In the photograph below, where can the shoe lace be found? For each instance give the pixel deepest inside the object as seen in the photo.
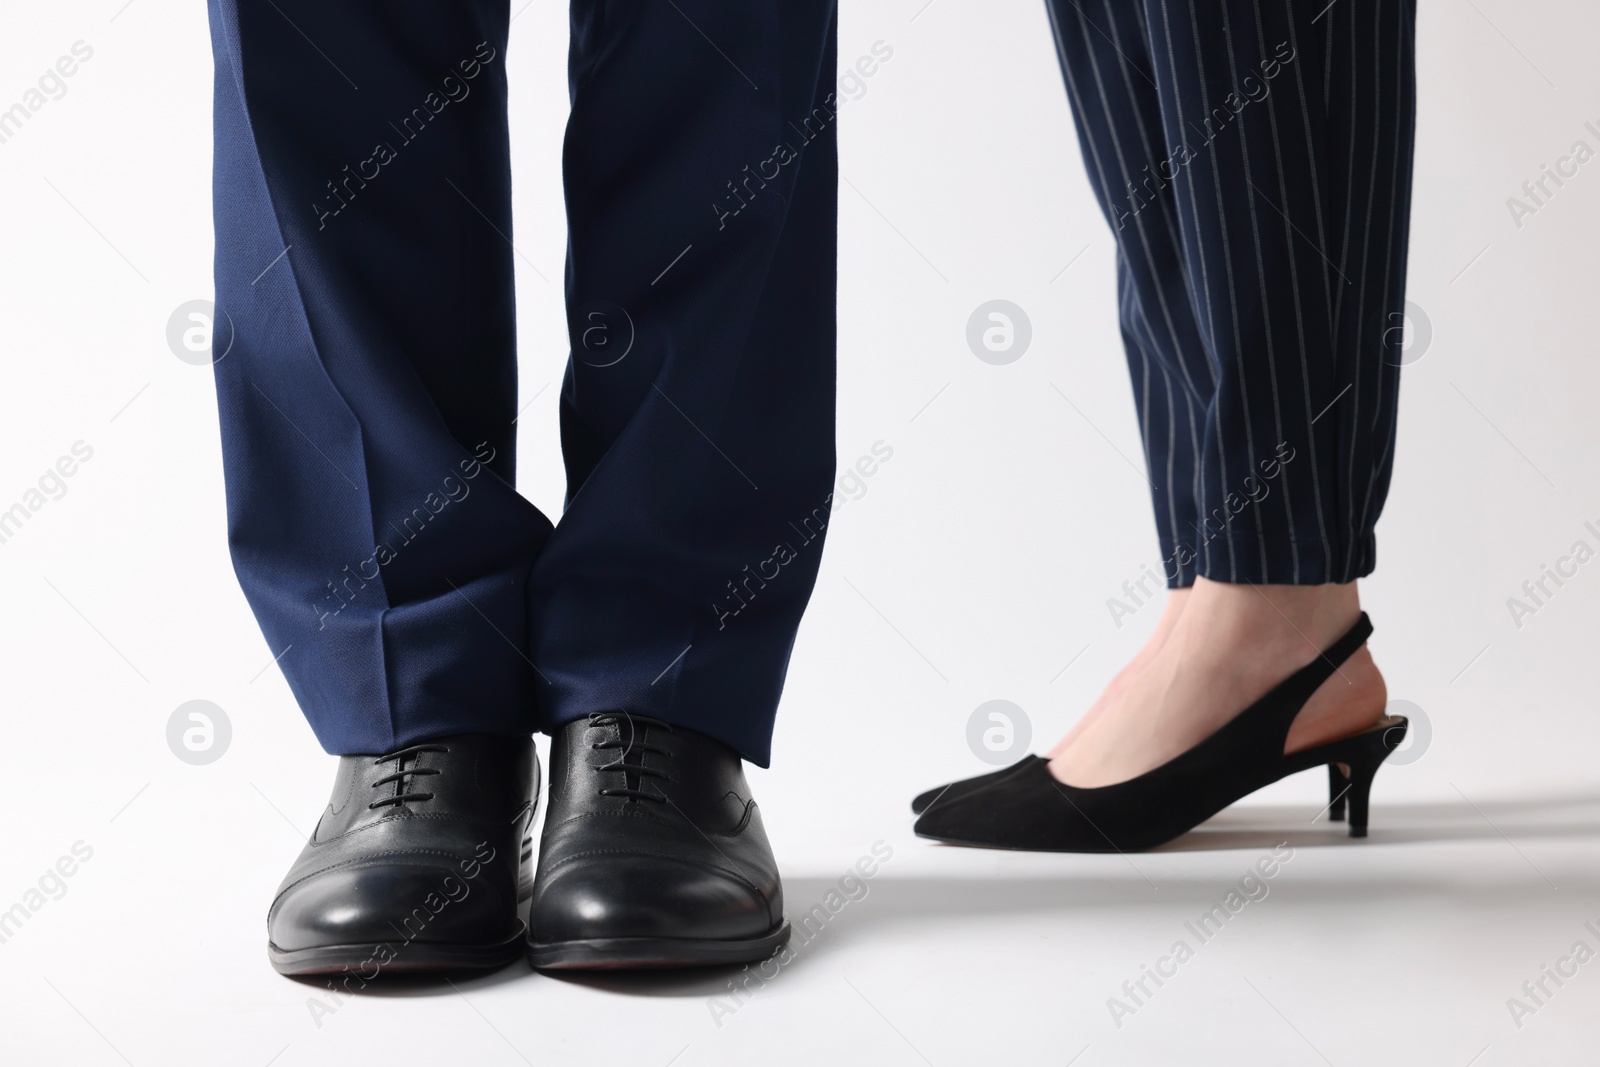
(403, 775)
(630, 746)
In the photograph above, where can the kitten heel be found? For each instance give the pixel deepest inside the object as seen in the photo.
(1363, 755)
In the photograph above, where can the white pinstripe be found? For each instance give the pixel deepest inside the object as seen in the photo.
(1127, 178)
(1266, 318)
(1169, 216)
(1299, 311)
(1233, 306)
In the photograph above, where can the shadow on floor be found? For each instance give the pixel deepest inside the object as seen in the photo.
(1570, 815)
(1109, 884)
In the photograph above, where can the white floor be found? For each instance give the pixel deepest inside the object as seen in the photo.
(1405, 948)
(974, 564)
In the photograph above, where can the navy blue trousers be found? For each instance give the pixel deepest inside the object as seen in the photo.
(364, 263)
(1253, 158)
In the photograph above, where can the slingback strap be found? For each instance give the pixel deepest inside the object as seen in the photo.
(1270, 717)
(1333, 658)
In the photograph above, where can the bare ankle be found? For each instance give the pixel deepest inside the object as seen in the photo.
(1275, 621)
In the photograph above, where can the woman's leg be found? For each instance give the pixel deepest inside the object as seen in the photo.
(1170, 613)
(1254, 164)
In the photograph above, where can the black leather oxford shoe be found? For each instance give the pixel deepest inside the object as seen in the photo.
(417, 865)
(653, 853)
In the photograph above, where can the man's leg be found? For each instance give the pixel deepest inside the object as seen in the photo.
(697, 412)
(362, 190)
(697, 421)
(362, 194)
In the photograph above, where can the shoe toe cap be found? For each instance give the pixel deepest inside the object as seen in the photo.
(996, 817)
(920, 802)
(951, 790)
(392, 903)
(647, 896)
(953, 818)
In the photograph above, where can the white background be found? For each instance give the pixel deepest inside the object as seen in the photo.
(976, 566)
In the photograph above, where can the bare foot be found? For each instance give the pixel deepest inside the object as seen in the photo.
(1176, 599)
(1227, 648)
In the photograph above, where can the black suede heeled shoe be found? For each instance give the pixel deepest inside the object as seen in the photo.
(1024, 807)
(950, 790)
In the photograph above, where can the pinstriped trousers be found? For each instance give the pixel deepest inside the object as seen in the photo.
(1253, 158)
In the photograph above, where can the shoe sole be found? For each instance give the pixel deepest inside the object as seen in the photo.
(416, 957)
(652, 953)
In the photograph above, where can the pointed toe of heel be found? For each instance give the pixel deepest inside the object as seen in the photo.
(951, 790)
